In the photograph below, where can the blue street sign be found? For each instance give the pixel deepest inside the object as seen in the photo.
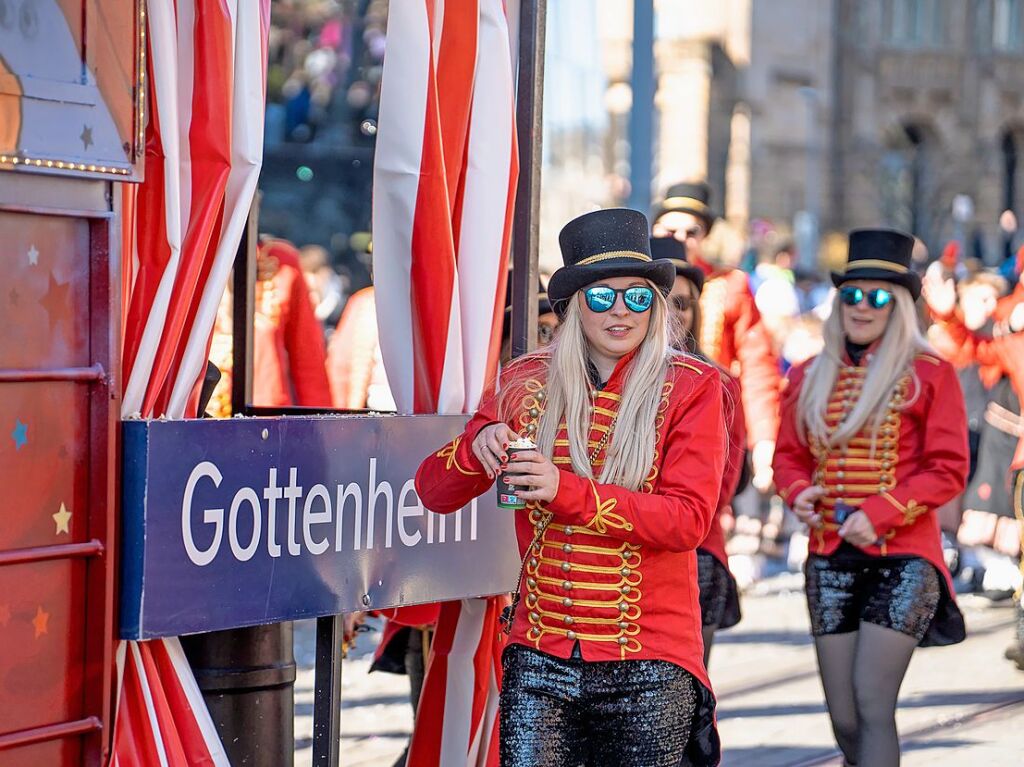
(258, 520)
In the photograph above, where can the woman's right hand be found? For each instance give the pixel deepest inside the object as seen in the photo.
(491, 445)
(803, 505)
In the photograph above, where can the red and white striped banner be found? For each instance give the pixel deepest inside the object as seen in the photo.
(445, 174)
(444, 184)
(204, 147)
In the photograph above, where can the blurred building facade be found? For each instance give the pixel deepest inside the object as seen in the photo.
(858, 111)
(855, 112)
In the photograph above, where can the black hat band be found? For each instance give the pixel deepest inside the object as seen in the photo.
(599, 257)
(875, 263)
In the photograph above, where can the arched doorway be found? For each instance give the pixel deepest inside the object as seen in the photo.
(908, 188)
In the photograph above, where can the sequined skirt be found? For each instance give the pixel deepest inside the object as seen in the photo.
(568, 712)
(719, 596)
(906, 594)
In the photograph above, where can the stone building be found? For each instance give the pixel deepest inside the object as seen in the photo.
(859, 111)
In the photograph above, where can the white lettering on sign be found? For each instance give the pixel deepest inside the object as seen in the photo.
(310, 515)
(245, 495)
(210, 516)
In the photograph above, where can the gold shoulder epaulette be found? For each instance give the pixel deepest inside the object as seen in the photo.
(929, 358)
(688, 366)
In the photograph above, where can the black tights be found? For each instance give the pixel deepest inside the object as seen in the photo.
(708, 635)
(861, 672)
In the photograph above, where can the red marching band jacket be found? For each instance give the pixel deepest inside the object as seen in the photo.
(736, 432)
(733, 335)
(919, 461)
(616, 569)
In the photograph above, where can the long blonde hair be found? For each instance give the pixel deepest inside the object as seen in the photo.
(630, 452)
(901, 341)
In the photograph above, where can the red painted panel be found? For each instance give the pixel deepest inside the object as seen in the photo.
(42, 632)
(44, 463)
(61, 752)
(44, 296)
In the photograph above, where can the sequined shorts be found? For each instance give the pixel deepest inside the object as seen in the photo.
(569, 712)
(719, 602)
(899, 594)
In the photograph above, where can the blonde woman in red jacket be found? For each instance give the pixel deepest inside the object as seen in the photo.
(873, 440)
(605, 660)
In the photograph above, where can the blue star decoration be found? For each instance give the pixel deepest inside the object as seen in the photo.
(19, 435)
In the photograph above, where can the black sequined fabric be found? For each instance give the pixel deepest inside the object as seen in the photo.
(900, 594)
(572, 713)
(719, 605)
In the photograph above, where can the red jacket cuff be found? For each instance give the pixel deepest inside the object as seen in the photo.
(884, 511)
(569, 503)
(789, 493)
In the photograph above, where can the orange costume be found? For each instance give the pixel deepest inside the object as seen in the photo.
(733, 335)
(615, 570)
(919, 462)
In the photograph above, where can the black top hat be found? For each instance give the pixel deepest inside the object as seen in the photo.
(880, 254)
(688, 197)
(606, 243)
(671, 249)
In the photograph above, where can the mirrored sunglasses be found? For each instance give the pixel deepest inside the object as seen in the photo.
(601, 298)
(878, 298)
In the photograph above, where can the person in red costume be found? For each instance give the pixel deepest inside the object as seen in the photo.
(621, 489)
(353, 358)
(998, 347)
(719, 595)
(732, 333)
(873, 440)
(288, 343)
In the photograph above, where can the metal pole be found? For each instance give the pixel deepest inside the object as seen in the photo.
(526, 221)
(642, 110)
(247, 678)
(330, 632)
(243, 296)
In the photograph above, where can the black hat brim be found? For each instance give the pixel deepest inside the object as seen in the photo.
(693, 274)
(909, 280)
(569, 279)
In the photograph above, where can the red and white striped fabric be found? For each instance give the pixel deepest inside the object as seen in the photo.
(444, 186)
(204, 147)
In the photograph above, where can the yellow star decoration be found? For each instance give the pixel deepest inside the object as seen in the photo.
(41, 622)
(63, 520)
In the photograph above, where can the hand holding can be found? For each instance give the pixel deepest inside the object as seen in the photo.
(508, 497)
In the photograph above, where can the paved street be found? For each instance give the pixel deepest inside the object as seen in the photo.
(960, 705)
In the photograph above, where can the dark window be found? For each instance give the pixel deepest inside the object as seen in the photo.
(1009, 147)
(908, 196)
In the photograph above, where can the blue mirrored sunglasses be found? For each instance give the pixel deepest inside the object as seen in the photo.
(878, 298)
(601, 298)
